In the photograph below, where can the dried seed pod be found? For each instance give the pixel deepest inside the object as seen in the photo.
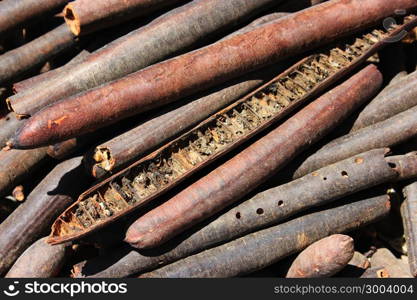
(359, 260)
(20, 60)
(395, 267)
(323, 258)
(127, 147)
(409, 215)
(399, 97)
(260, 249)
(23, 85)
(153, 175)
(265, 209)
(40, 260)
(177, 30)
(156, 86)
(17, 165)
(15, 13)
(254, 165)
(43, 204)
(405, 165)
(390, 132)
(85, 16)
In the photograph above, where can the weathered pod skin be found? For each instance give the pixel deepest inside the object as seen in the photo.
(17, 165)
(394, 266)
(257, 250)
(40, 260)
(127, 147)
(264, 209)
(405, 165)
(171, 33)
(85, 16)
(400, 97)
(19, 87)
(44, 203)
(129, 189)
(409, 215)
(20, 60)
(183, 75)
(387, 133)
(255, 164)
(15, 13)
(323, 258)
(8, 124)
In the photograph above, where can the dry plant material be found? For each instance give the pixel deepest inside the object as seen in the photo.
(255, 164)
(397, 98)
(35, 53)
(323, 258)
(8, 124)
(264, 209)
(387, 133)
(17, 165)
(409, 215)
(14, 13)
(86, 16)
(166, 167)
(29, 83)
(186, 74)
(40, 260)
(178, 30)
(131, 145)
(18, 193)
(405, 165)
(394, 266)
(257, 250)
(64, 149)
(33, 217)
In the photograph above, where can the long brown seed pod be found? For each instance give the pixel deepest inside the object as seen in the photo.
(392, 131)
(44, 203)
(186, 74)
(14, 13)
(35, 53)
(124, 149)
(161, 170)
(395, 267)
(323, 258)
(376, 272)
(260, 249)
(20, 86)
(264, 209)
(17, 165)
(40, 260)
(400, 97)
(255, 164)
(405, 165)
(85, 16)
(409, 216)
(177, 30)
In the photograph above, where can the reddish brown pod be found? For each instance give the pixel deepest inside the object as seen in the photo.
(409, 216)
(323, 258)
(40, 260)
(86, 16)
(186, 74)
(15, 13)
(180, 29)
(255, 164)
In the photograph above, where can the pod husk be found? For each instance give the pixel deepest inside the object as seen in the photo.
(409, 216)
(260, 249)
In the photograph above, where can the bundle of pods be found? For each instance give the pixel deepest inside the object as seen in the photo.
(208, 138)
